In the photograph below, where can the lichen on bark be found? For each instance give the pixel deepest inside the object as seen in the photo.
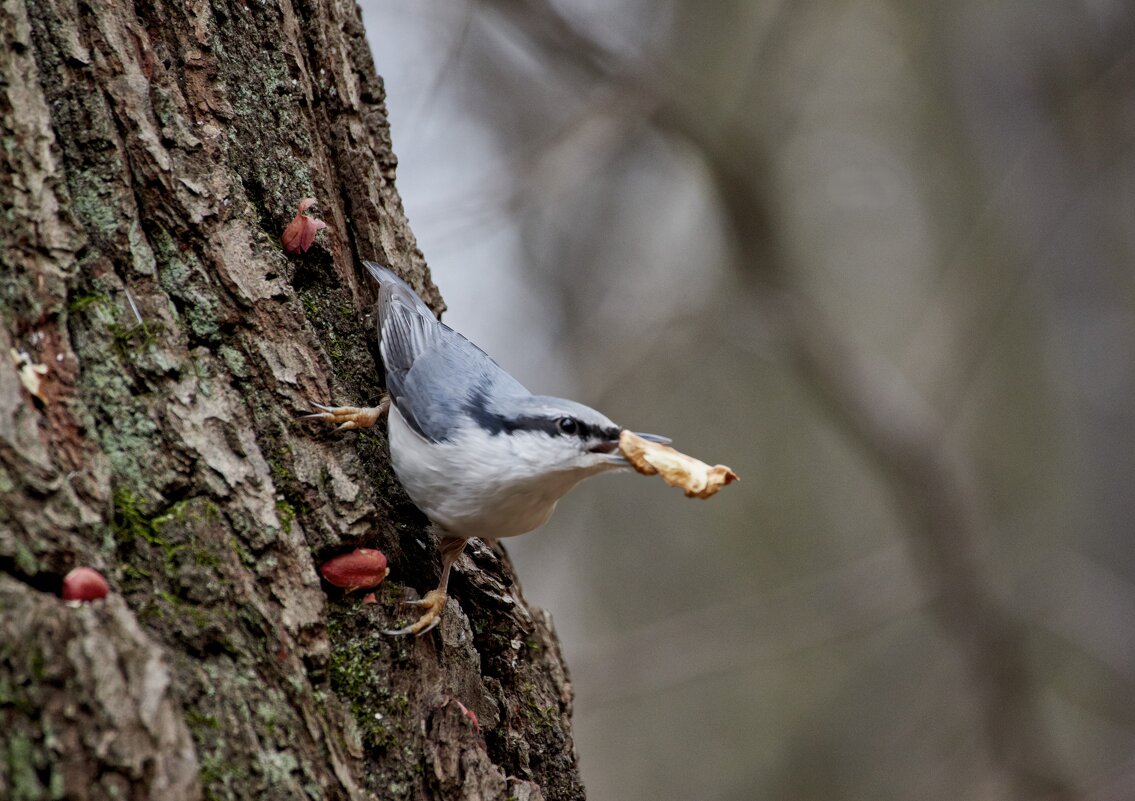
(157, 151)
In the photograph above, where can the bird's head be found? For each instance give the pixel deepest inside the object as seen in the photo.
(556, 436)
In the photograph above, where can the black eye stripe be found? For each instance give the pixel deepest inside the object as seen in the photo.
(495, 423)
(551, 426)
(555, 427)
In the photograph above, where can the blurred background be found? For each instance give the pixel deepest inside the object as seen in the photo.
(877, 257)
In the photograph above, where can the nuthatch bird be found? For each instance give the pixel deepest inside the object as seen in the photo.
(478, 453)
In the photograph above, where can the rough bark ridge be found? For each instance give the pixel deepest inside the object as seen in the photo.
(155, 153)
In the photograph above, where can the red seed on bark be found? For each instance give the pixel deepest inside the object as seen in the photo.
(469, 713)
(357, 570)
(301, 231)
(84, 584)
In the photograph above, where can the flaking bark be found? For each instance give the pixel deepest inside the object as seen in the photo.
(155, 152)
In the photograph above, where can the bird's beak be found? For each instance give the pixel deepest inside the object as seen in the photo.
(615, 457)
(610, 446)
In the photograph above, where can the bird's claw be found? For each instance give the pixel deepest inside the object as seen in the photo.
(434, 604)
(349, 417)
(416, 628)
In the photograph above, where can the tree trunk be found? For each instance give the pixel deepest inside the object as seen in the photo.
(153, 155)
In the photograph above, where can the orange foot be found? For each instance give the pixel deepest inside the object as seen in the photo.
(434, 604)
(348, 417)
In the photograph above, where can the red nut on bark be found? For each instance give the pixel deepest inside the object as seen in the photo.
(357, 570)
(301, 231)
(84, 584)
(469, 713)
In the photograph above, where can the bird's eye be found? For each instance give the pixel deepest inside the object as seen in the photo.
(568, 425)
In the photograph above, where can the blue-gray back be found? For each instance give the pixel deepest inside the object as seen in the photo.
(434, 375)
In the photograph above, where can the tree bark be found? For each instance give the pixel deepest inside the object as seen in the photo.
(154, 153)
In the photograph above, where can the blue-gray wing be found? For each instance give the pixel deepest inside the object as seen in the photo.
(432, 372)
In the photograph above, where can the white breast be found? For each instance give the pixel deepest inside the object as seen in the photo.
(487, 486)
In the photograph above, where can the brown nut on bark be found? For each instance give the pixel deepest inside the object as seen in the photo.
(696, 478)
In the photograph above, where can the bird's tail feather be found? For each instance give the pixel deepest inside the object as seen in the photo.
(393, 287)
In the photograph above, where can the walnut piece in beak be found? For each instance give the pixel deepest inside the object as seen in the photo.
(697, 478)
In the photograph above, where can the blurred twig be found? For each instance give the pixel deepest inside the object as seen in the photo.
(731, 636)
(872, 402)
